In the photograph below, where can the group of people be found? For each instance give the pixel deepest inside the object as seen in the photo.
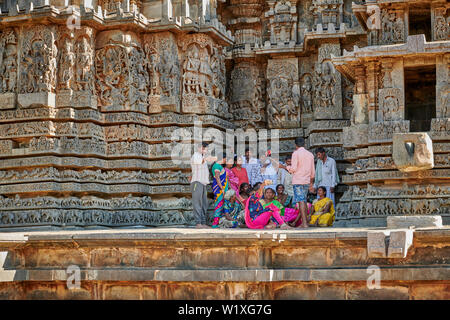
(264, 193)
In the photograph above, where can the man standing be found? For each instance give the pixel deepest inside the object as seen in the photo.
(326, 173)
(199, 181)
(303, 172)
(253, 168)
(285, 177)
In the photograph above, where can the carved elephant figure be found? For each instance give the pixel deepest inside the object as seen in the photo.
(35, 217)
(22, 217)
(7, 218)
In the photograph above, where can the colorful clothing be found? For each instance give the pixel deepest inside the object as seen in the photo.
(285, 178)
(256, 217)
(218, 192)
(288, 214)
(303, 167)
(241, 174)
(235, 211)
(300, 192)
(288, 201)
(253, 168)
(325, 219)
(233, 181)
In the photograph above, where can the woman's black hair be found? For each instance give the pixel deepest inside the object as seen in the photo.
(256, 186)
(323, 189)
(241, 187)
(280, 185)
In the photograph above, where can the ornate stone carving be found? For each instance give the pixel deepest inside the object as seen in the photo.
(246, 96)
(282, 21)
(163, 69)
(327, 11)
(391, 104)
(307, 93)
(8, 61)
(392, 26)
(283, 108)
(327, 97)
(38, 60)
(121, 80)
(201, 87)
(441, 29)
(383, 131)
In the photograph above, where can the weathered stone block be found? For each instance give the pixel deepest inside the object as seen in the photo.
(162, 257)
(433, 291)
(387, 292)
(360, 114)
(121, 292)
(412, 151)
(47, 99)
(7, 100)
(399, 243)
(414, 221)
(294, 291)
(376, 244)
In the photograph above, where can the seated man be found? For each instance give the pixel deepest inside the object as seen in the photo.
(323, 215)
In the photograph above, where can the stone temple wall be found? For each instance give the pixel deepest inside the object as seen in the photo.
(92, 94)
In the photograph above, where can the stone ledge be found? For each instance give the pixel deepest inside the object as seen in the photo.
(231, 275)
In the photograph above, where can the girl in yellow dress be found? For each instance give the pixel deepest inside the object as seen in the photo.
(323, 215)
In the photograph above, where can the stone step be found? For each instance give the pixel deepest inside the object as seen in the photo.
(192, 249)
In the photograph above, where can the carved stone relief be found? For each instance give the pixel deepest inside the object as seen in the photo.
(203, 82)
(163, 69)
(246, 96)
(8, 68)
(441, 28)
(327, 96)
(121, 80)
(283, 109)
(282, 21)
(38, 66)
(392, 26)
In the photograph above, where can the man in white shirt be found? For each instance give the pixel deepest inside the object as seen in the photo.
(326, 173)
(199, 181)
(285, 177)
(253, 167)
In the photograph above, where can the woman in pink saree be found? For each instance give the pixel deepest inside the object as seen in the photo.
(233, 180)
(257, 217)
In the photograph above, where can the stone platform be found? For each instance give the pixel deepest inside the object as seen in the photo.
(185, 263)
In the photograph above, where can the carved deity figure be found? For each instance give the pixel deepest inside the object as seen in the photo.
(111, 75)
(441, 25)
(9, 69)
(191, 66)
(84, 58)
(205, 73)
(392, 27)
(307, 94)
(324, 86)
(66, 65)
(138, 77)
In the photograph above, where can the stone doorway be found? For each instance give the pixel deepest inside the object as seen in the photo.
(420, 97)
(420, 20)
